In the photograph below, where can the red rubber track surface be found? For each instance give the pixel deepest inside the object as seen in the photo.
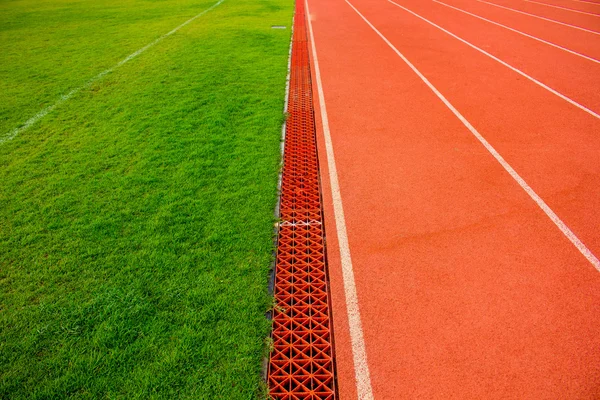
(302, 360)
(466, 289)
(583, 20)
(573, 39)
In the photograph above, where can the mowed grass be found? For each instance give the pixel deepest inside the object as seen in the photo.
(136, 218)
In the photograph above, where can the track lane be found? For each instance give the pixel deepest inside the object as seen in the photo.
(465, 289)
(576, 4)
(549, 142)
(521, 33)
(586, 21)
(537, 17)
(572, 76)
(592, 3)
(581, 41)
(559, 7)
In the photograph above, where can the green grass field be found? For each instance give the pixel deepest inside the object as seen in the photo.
(136, 217)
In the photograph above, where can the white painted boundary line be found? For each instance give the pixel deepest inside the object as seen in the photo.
(534, 196)
(521, 33)
(359, 352)
(518, 71)
(284, 125)
(563, 8)
(537, 16)
(12, 134)
(588, 2)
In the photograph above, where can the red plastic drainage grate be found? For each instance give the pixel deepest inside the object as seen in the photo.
(301, 364)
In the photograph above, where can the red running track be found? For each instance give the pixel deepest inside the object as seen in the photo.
(464, 287)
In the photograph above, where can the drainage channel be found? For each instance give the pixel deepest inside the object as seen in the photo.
(302, 363)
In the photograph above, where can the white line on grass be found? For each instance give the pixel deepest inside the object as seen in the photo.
(284, 125)
(521, 33)
(518, 71)
(534, 196)
(537, 16)
(562, 8)
(12, 134)
(359, 352)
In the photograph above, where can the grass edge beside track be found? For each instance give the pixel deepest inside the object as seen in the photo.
(80, 296)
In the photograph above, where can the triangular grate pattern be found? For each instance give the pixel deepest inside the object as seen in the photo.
(301, 364)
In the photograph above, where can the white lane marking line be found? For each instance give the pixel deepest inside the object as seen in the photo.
(12, 134)
(562, 8)
(284, 125)
(518, 71)
(537, 16)
(521, 33)
(588, 2)
(359, 352)
(534, 196)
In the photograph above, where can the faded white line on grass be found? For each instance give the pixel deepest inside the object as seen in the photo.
(11, 135)
(563, 8)
(534, 196)
(537, 16)
(284, 126)
(518, 71)
(521, 33)
(359, 352)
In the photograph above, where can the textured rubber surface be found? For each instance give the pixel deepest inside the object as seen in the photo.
(465, 289)
(301, 364)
